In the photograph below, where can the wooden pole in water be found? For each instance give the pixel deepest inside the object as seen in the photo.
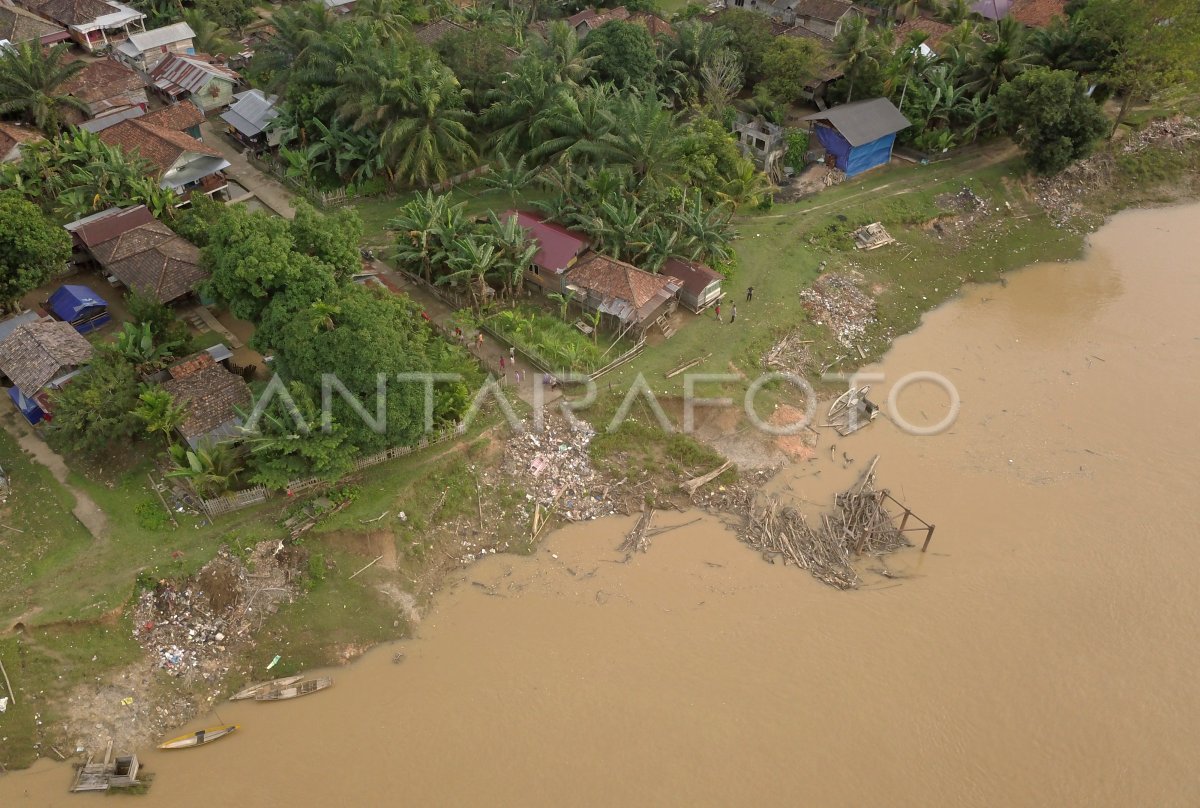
(928, 536)
(7, 684)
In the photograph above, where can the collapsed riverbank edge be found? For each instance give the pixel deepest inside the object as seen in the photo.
(331, 620)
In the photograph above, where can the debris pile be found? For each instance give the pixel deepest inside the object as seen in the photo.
(837, 301)
(790, 355)
(187, 626)
(859, 525)
(1061, 195)
(554, 468)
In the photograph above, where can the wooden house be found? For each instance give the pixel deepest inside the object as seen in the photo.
(699, 285)
(143, 51)
(96, 25)
(37, 357)
(212, 398)
(558, 249)
(198, 77)
(636, 299)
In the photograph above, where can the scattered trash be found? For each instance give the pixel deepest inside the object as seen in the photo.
(274, 662)
(837, 301)
(872, 236)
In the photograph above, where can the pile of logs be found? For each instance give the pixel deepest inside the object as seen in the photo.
(859, 525)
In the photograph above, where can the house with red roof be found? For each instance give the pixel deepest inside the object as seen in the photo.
(558, 249)
(180, 162)
(636, 299)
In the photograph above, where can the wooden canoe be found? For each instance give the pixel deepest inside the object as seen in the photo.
(253, 690)
(295, 691)
(198, 738)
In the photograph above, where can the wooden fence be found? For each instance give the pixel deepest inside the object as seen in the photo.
(228, 503)
(478, 171)
(296, 486)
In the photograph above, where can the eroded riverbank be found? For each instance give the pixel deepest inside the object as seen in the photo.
(1039, 653)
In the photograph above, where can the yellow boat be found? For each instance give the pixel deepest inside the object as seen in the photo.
(199, 737)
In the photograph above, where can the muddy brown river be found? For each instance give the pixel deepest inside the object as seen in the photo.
(1043, 653)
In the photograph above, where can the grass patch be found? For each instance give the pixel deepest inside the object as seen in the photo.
(376, 212)
(44, 665)
(555, 343)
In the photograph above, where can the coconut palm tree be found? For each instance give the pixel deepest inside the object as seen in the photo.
(420, 120)
(852, 50)
(954, 11)
(645, 142)
(31, 81)
(999, 60)
(209, 36)
(574, 125)
(563, 51)
(299, 28)
(516, 104)
(1063, 46)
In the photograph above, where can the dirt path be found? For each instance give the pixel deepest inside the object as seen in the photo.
(86, 510)
(270, 192)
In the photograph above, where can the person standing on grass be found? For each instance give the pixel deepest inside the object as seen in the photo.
(479, 340)
(512, 354)
(733, 314)
(502, 363)
(749, 293)
(717, 309)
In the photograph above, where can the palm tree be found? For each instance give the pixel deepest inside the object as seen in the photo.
(31, 81)
(574, 126)
(209, 36)
(419, 228)
(852, 50)
(563, 51)
(747, 186)
(298, 28)
(646, 142)
(1064, 46)
(470, 262)
(517, 103)
(695, 47)
(998, 62)
(390, 18)
(420, 119)
(510, 178)
(954, 11)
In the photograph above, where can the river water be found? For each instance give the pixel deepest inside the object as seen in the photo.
(1043, 652)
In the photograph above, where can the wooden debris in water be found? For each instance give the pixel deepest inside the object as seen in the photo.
(695, 483)
(859, 525)
(637, 541)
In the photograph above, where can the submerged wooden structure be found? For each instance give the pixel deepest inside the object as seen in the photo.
(109, 773)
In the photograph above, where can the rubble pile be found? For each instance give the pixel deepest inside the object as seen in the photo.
(792, 354)
(837, 301)
(554, 468)
(1061, 195)
(187, 626)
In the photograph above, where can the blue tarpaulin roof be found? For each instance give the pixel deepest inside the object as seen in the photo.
(70, 302)
(28, 407)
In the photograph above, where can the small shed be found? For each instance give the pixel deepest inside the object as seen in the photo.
(859, 135)
(80, 306)
(700, 286)
(212, 397)
(250, 118)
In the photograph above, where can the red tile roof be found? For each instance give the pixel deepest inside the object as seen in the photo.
(210, 395)
(12, 135)
(1037, 13)
(162, 147)
(558, 247)
(18, 25)
(621, 286)
(32, 355)
(102, 79)
(102, 228)
(177, 117)
(657, 26)
(72, 12)
(934, 30)
(152, 260)
(692, 275)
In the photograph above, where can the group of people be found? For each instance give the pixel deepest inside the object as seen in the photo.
(733, 312)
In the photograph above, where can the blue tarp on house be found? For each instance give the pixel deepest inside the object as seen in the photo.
(860, 135)
(79, 306)
(29, 408)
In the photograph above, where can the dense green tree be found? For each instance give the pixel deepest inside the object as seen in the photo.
(210, 36)
(231, 14)
(96, 409)
(1050, 117)
(790, 63)
(252, 257)
(999, 58)
(479, 58)
(1153, 46)
(627, 55)
(750, 34)
(31, 247)
(210, 469)
(165, 327)
(331, 238)
(286, 446)
(853, 49)
(31, 80)
(359, 334)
